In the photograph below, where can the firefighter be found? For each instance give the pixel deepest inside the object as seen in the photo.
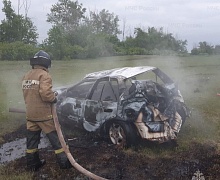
(39, 97)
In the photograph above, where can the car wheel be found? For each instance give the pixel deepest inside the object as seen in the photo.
(121, 133)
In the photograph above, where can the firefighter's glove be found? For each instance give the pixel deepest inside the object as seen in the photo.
(55, 93)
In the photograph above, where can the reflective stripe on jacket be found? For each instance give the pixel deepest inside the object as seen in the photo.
(38, 94)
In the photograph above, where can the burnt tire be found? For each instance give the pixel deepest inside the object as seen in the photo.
(121, 133)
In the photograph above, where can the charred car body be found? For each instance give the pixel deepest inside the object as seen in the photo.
(124, 104)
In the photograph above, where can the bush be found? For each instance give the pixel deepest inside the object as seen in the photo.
(194, 51)
(17, 51)
(136, 51)
(78, 52)
(99, 46)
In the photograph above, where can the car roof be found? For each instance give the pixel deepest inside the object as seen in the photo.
(124, 72)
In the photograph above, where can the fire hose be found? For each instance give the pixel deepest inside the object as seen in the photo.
(66, 149)
(64, 145)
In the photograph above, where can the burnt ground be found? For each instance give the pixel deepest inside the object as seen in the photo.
(112, 162)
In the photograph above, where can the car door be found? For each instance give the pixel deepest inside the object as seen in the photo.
(72, 106)
(101, 105)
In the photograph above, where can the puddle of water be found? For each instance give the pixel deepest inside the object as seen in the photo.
(16, 149)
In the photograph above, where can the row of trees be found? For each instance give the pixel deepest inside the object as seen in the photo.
(75, 35)
(18, 35)
(16, 27)
(205, 48)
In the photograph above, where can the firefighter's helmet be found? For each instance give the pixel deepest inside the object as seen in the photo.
(41, 58)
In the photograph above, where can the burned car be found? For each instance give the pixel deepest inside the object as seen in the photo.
(125, 104)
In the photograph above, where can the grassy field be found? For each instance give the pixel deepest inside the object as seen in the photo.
(197, 77)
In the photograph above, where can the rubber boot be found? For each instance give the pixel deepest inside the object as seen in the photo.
(62, 159)
(32, 154)
(33, 161)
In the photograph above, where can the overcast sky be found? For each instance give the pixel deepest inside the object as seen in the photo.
(195, 20)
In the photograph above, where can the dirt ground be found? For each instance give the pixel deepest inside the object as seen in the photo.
(111, 162)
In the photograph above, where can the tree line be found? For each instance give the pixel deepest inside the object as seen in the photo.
(74, 35)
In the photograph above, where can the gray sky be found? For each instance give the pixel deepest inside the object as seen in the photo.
(195, 20)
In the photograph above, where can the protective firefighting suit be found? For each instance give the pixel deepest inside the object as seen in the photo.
(38, 97)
